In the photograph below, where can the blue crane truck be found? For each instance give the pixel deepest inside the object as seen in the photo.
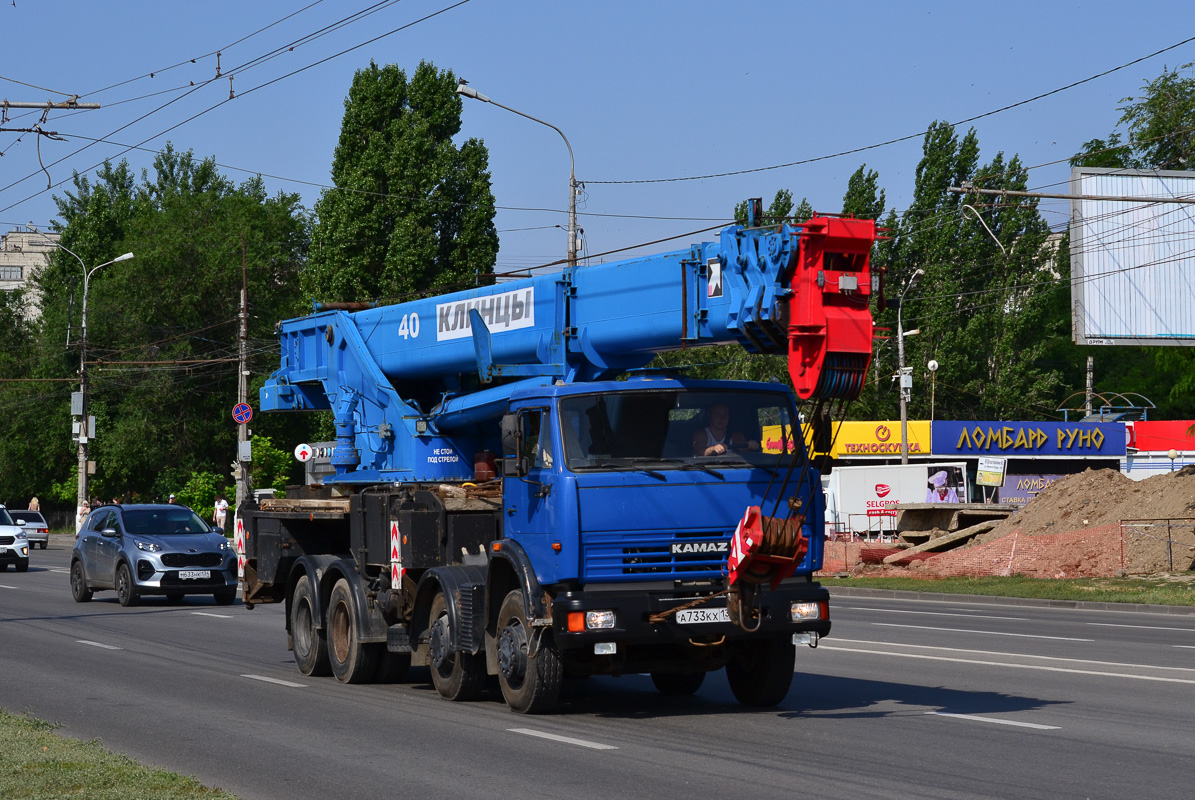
(517, 494)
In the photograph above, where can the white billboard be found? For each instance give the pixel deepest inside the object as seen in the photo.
(1132, 257)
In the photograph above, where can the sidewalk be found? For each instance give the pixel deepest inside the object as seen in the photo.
(895, 594)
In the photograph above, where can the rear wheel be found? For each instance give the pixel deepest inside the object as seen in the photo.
(760, 671)
(352, 661)
(79, 589)
(678, 684)
(308, 641)
(456, 675)
(530, 683)
(44, 545)
(126, 592)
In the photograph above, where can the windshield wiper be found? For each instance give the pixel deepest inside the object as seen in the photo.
(628, 468)
(691, 465)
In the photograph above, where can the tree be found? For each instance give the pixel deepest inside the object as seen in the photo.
(161, 327)
(410, 210)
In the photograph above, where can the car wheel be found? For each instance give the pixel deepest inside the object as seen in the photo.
(308, 642)
(44, 545)
(530, 683)
(126, 593)
(456, 675)
(79, 589)
(3, 566)
(23, 566)
(352, 661)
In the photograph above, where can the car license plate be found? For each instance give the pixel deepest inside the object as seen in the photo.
(195, 574)
(696, 615)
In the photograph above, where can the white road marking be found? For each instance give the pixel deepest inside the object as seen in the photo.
(1186, 646)
(97, 644)
(275, 680)
(1015, 655)
(6, 586)
(63, 570)
(209, 614)
(1041, 667)
(988, 633)
(1142, 627)
(933, 613)
(565, 739)
(977, 718)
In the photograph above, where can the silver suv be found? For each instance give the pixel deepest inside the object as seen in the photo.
(14, 545)
(152, 549)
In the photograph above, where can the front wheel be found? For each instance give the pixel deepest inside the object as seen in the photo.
(352, 661)
(79, 589)
(307, 640)
(678, 684)
(456, 675)
(760, 671)
(530, 683)
(126, 593)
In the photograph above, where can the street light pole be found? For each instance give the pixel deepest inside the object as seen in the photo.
(85, 434)
(468, 91)
(906, 377)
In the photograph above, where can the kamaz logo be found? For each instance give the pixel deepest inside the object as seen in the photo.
(681, 548)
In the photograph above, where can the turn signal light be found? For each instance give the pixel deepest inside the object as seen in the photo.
(576, 621)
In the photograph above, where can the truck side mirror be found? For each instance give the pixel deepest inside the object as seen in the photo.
(512, 435)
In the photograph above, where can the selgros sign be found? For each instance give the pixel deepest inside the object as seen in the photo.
(1012, 439)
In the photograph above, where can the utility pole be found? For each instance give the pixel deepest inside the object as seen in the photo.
(242, 470)
(905, 374)
(1090, 382)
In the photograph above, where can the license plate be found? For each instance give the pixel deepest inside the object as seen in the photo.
(697, 615)
(195, 574)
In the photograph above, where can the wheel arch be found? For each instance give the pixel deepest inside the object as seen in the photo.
(462, 587)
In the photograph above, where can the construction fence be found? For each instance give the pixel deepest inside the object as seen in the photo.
(1135, 546)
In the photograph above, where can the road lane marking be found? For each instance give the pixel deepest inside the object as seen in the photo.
(209, 614)
(988, 633)
(1015, 655)
(275, 680)
(565, 739)
(6, 586)
(977, 718)
(1142, 627)
(933, 613)
(97, 644)
(1040, 667)
(1186, 646)
(63, 570)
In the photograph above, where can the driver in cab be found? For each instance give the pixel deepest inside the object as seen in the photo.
(716, 438)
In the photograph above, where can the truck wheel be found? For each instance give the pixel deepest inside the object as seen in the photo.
(79, 589)
(352, 661)
(459, 675)
(530, 684)
(760, 671)
(308, 641)
(678, 684)
(392, 667)
(125, 592)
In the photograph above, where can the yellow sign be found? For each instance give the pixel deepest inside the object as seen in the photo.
(858, 439)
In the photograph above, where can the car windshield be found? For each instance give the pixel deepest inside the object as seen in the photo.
(4, 518)
(676, 429)
(163, 521)
(27, 516)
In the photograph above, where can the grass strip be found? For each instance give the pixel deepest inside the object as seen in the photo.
(1173, 591)
(35, 762)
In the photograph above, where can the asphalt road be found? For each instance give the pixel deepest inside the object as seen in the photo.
(908, 699)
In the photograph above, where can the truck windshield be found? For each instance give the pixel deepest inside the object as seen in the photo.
(677, 429)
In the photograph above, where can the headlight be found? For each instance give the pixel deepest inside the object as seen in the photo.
(806, 611)
(149, 547)
(599, 619)
(225, 544)
(21, 535)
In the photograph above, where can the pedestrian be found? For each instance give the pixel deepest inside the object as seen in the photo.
(171, 500)
(34, 505)
(84, 510)
(221, 512)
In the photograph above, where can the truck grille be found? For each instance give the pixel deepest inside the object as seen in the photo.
(192, 559)
(623, 555)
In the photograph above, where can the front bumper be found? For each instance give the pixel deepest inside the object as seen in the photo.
(151, 577)
(14, 553)
(632, 610)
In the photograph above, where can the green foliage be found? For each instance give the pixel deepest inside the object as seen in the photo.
(272, 468)
(199, 493)
(411, 210)
(1161, 123)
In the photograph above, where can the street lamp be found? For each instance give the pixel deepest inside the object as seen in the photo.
(468, 91)
(84, 432)
(906, 375)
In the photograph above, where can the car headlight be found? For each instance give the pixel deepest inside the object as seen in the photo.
(149, 547)
(21, 535)
(225, 544)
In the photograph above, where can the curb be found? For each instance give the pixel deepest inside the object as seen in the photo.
(1089, 605)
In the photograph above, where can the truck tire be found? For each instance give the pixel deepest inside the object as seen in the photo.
(308, 641)
(351, 661)
(530, 684)
(126, 593)
(79, 589)
(459, 675)
(678, 684)
(760, 671)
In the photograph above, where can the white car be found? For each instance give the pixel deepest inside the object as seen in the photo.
(14, 545)
(36, 527)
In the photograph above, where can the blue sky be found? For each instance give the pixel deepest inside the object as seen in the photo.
(645, 91)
